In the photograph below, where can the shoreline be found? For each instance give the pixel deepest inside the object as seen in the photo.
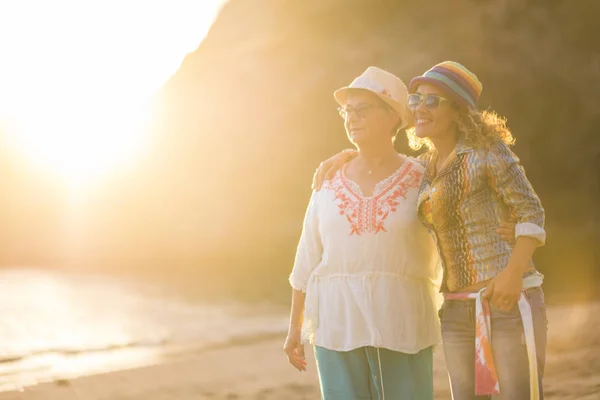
(250, 370)
(33, 373)
(257, 369)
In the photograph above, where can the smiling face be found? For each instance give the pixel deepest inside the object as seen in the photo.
(434, 116)
(368, 119)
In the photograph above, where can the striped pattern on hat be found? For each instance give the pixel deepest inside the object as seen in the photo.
(453, 77)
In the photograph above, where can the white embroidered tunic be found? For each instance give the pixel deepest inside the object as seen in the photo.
(369, 268)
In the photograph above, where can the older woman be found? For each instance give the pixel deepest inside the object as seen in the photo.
(492, 288)
(366, 268)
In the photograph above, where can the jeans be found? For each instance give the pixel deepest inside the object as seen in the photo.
(508, 347)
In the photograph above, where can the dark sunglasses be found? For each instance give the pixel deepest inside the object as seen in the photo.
(432, 101)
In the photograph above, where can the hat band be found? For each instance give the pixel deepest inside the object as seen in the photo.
(460, 80)
(451, 84)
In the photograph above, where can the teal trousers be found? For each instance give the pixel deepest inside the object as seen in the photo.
(370, 373)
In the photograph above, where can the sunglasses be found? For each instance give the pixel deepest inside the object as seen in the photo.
(361, 110)
(432, 101)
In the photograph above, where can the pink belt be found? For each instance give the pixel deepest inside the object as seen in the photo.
(486, 376)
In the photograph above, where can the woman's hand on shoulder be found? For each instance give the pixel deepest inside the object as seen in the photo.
(329, 167)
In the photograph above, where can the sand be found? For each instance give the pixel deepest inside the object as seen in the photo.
(259, 370)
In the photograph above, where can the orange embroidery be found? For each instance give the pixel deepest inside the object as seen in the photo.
(368, 214)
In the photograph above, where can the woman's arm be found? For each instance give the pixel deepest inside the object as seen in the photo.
(329, 167)
(293, 346)
(507, 178)
(297, 312)
(505, 289)
(308, 256)
(310, 247)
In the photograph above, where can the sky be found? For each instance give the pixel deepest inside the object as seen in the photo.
(76, 77)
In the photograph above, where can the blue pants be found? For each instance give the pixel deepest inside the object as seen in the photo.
(508, 347)
(368, 373)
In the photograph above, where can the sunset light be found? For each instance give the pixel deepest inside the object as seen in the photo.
(77, 78)
(185, 216)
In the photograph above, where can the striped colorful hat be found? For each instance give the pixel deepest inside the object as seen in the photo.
(455, 80)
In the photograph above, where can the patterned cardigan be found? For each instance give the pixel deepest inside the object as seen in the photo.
(463, 205)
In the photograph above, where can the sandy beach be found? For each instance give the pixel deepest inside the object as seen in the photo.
(259, 370)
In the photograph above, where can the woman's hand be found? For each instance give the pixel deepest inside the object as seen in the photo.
(294, 349)
(507, 232)
(505, 289)
(330, 166)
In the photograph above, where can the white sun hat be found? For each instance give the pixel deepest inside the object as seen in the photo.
(388, 87)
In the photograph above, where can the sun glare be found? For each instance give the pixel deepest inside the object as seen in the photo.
(76, 78)
(80, 145)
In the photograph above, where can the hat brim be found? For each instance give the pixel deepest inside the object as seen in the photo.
(341, 96)
(446, 90)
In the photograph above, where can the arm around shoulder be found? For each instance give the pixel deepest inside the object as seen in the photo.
(329, 167)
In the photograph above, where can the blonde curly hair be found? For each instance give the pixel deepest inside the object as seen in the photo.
(478, 128)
